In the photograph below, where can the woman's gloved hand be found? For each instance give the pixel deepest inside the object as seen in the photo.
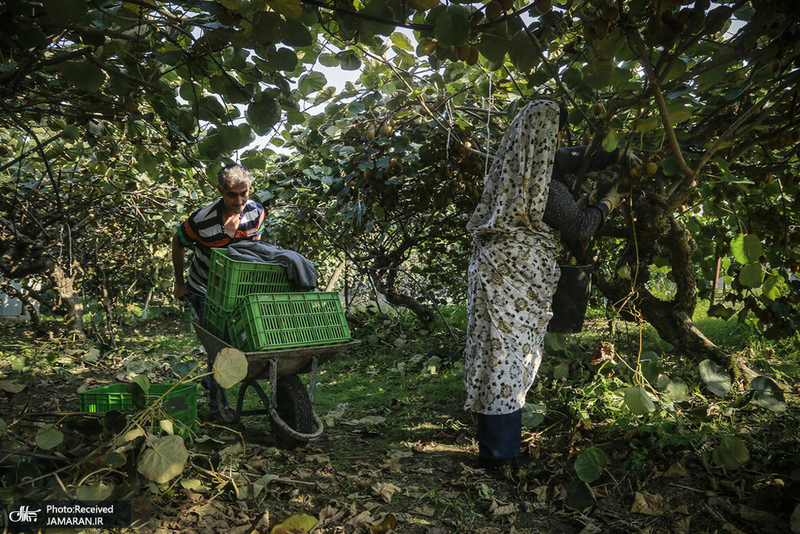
(612, 199)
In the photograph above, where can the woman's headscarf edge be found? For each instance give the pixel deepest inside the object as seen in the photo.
(524, 161)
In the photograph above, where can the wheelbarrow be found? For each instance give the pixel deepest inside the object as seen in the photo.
(289, 403)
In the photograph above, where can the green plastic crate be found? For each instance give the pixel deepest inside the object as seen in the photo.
(116, 397)
(216, 319)
(230, 280)
(283, 320)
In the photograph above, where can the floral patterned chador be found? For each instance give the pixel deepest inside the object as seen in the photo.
(513, 271)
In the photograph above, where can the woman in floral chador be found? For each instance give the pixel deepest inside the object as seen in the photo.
(513, 271)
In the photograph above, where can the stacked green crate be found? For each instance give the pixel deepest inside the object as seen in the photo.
(284, 320)
(229, 281)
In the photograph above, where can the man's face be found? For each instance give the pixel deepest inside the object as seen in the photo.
(235, 197)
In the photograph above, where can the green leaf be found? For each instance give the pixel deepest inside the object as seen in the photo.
(311, 83)
(751, 275)
(561, 371)
(768, 394)
(452, 27)
(731, 453)
(774, 286)
(401, 40)
(638, 401)
(164, 460)
(650, 371)
(608, 47)
(143, 382)
(97, 493)
(114, 460)
(721, 311)
(715, 377)
(597, 74)
(263, 114)
(572, 78)
(647, 124)
(680, 113)
(610, 141)
(533, 415)
(590, 464)
(676, 389)
(48, 437)
(137, 390)
(524, 53)
(423, 5)
(579, 496)
(495, 44)
(349, 60)
(746, 248)
(176, 404)
(379, 10)
(65, 10)
(266, 26)
(284, 59)
(230, 367)
(289, 8)
(83, 75)
(555, 343)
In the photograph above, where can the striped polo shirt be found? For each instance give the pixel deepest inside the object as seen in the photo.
(204, 230)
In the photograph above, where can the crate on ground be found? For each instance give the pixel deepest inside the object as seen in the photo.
(230, 280)
(284, 320)
(116, 397)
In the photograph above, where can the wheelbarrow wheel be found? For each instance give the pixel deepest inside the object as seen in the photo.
(294, 408)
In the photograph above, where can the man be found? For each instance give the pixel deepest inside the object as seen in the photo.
(231, 219)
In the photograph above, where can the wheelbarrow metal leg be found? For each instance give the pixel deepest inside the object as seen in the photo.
(273, 384)
(312, 384)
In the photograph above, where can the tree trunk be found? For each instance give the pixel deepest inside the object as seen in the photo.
(659, 234)
(70, 299)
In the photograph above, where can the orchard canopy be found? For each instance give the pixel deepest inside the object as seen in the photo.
(116, 114)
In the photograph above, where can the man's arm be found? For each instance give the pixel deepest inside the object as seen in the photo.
(178, 257)
(570, 159)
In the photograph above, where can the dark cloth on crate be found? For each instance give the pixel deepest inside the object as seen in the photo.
(300, 271)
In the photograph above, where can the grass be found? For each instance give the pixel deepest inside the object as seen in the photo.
(393, 411)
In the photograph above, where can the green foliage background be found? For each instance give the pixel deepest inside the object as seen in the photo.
(116, 114)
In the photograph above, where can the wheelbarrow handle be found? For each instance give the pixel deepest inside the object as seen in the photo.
(300, 436)
(186, 304)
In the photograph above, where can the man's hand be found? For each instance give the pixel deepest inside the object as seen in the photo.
(180, 290)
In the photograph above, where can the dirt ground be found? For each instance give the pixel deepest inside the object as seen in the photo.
(354, 479)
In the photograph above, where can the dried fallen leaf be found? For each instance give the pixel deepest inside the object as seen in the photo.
(387, 524)
(230, 367)
(11, 387)
(676, 470)
(164, 459)
(425, 510)
(385, 490)
(648, 504)
(297, 524)
(499, 509)
(372, 420)
(603, 354)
